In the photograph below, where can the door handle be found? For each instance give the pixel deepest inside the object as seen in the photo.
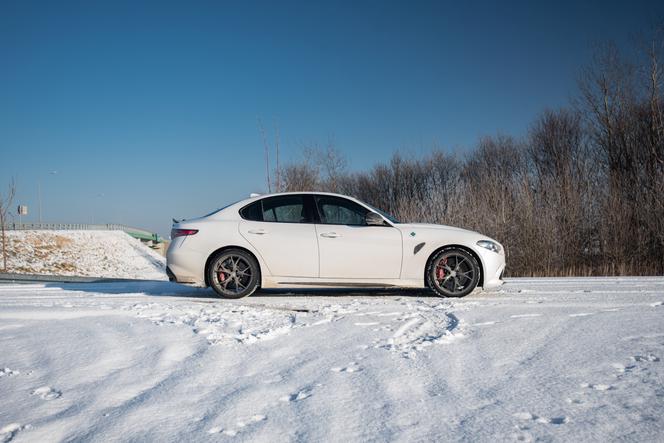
(330, 235)
(257, 231)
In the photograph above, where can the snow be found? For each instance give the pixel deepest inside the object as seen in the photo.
(112, 254)
(540, 359)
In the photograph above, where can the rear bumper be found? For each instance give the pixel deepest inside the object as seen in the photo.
(189, 282)
(185, 266)
(171, 276)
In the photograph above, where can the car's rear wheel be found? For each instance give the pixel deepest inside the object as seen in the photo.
(233, 273)
(453, 272)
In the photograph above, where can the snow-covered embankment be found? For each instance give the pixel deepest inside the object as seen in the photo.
(111, 254)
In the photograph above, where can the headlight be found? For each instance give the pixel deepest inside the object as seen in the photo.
(490, 245)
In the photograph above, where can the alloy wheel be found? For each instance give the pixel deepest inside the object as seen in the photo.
(232, 275)
(453, 273)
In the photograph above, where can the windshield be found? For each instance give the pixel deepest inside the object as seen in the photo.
(390, 217)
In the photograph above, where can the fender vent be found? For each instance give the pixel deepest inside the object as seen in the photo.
(417, 248)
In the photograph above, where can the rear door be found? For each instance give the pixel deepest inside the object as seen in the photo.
(348, 248)
(282, 231)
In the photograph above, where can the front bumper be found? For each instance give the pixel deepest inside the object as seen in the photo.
(494, 268)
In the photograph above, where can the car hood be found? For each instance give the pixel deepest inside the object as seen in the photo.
(427, 226)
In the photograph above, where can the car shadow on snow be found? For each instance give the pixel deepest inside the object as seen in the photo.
(158, 288)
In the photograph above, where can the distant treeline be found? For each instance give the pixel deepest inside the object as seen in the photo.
(581, 194)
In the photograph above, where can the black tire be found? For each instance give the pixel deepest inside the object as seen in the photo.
(453, 272)
(233, 273)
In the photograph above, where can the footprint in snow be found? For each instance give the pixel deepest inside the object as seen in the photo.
(598, 387)
(645, 358)
(8, 372)
(352, 367)
(553, 421)
(47, 393)
(301, 395)
(622, 368)
(658, 303)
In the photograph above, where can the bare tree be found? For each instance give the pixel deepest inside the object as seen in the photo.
(299, 177)
(266, 149)
(581, 194)
(277, 175)
(322, 169)
(5, 203)
(268, 165)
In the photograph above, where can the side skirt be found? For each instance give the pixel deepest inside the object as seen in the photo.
(338, 285)
(308, 282)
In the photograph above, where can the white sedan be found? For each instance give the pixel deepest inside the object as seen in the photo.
(323, 240)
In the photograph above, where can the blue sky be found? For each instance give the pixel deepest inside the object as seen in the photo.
(149, 111)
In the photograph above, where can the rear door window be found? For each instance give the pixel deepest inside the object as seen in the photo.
(285, 209)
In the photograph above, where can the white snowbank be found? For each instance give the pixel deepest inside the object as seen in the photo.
(542, 359)
(112, 254)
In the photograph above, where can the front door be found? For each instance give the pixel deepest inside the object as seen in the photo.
(348, 248)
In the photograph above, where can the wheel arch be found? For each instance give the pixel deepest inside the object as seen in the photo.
(470, 251)
(225, 248)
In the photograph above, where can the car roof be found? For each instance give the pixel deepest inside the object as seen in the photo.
(277, 194)
(234, 207)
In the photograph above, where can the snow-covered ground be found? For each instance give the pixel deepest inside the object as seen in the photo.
(83, 253)
(541, 359)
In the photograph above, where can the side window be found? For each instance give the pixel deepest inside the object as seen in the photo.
(252, 212)
(339, 211)
(285, 209)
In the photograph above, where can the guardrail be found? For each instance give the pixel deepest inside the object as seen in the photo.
(134, 232)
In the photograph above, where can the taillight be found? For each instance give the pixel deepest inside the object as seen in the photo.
(182, 232)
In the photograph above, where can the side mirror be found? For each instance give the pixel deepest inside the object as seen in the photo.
(373, 219)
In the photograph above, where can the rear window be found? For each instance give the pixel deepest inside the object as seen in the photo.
(252, 212)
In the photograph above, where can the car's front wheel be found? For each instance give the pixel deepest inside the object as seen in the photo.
(453, 272)
(233, 273)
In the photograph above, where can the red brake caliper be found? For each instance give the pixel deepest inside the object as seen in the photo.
(440, 271)
(222, 277)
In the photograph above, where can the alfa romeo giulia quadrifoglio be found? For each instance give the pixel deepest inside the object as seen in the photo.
(323, 240)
